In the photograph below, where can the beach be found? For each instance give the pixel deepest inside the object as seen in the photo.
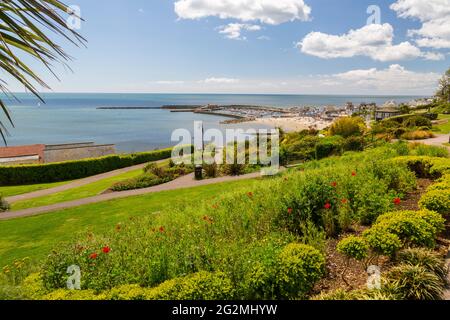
(292, 124)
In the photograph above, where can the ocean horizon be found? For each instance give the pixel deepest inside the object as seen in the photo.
(75, 117)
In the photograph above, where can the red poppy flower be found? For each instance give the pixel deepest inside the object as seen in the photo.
(327, 205)
(353, 174)
(289, 210)
(344, 201)
(93, 256)
(161, 229)
(397, 201)
(250, 194)
(106, 249)
(334, 184)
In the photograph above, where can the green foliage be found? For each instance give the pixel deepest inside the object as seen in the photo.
(418, 228)
(417, 135)
(4, 206)
(70, 170)
(427, 259)
(425, 166)
(329, 146)
(436, 200)
(383, 242)
(211, 170)
(417, 121)
(362, 295)
(347, 127)
(413, 282)
(354, 144)
(198, 286)
(353, 247)
(298, 268)
(153, 175)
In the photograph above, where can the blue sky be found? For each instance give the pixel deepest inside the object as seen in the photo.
(149, 46)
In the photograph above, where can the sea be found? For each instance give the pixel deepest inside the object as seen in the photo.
(69, 118)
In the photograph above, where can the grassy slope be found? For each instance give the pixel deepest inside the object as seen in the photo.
(35, 236)
(89, 190)
(443, 128)
(16, 190)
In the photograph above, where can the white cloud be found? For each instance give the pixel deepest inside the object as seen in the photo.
(220, 80)
(265, 38)
(233, 30)
(435, 18)
(374, 41)
(265, 11)
(395, 79)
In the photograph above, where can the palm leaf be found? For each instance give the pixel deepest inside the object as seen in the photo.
(24, 25)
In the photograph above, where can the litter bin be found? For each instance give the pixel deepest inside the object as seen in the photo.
(198, 172)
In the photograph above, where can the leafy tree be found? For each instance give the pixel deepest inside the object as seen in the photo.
(443, 93)
(24, 28)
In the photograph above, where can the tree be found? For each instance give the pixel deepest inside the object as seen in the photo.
(23, 28)
(443, 93)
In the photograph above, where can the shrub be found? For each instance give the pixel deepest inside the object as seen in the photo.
(298, 268)
(199, 286)
(417, 135)
(413, 228)
(436, 200)
(427, 259)
(354, 247)
(72, 295)
(233, 169)
(4, 206)
(211, 170)
(424, 166)
(412, 282)
(69, 170)
(143, 181)
(354, 144)
(346, 127)
(417, 121)
(363, 295)
(330, 146)
(383, 242)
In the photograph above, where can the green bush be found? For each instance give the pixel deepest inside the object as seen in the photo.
(329, 146)
(354, 247)
(419, 228)
(383, 242)
(4, 206)
(425, 166)
(143, 181)
(298, 268)
(412, 282)
(211, 170)
(427, 259)
(69, 170)
(354, 144)
(198, 286)
(347, 127)
(436, 200)
(362, 295)
(417, 121)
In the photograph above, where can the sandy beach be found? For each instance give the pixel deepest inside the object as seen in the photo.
(294, 123)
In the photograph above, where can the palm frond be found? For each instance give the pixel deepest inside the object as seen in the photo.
(24, 25)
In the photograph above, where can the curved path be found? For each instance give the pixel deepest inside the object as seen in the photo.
(180, 183)
(75, 184)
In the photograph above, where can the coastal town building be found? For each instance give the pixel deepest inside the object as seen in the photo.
(386, 113)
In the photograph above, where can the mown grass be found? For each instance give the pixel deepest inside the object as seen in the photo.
(445, 127)
(34, 237)
(86, 191)
(10, 191)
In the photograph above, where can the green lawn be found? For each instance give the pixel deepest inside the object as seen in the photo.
(443, 128)
(34, 237)
(10, 191)
(86, 191)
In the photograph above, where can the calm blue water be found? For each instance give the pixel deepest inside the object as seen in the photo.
(74, 117)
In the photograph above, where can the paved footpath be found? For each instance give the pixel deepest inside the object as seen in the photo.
(75, 184)
(439, 140)
(180, 183)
